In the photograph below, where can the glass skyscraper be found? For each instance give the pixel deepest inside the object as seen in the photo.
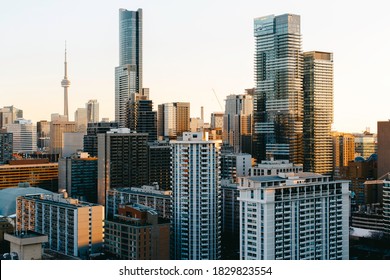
(128, 75)
(278, 98)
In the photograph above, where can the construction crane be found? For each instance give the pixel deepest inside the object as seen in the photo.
(218, 100)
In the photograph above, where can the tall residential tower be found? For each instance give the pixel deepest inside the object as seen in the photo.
(278, 98)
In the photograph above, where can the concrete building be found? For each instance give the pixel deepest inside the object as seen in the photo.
(43, 135)
(137, 233)
(27, 244)
(318, 112)
(9, 114)
(92, 107)
(59, 126)
(81, 120)
(159, 164)
(73, 227)
(173, 119)
(366, 144)
(294, 216)
(196, 195)
(386, 206)
(24, 134)
(383, 149)
(278, 97)
(150, 196)
(274, 167)
(73, 142)
(38, 173)
(78, 176)
(235, 165)
(91, 139)
(343, 150)
(122, 160)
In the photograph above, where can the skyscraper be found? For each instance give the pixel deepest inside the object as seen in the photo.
(196, 194)
(173, 119)
(278, 98)
(318, 112)
(92, 111)
(24, 136)
(65, 83)
(128, 75)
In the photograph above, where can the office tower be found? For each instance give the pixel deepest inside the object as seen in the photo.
(122, 160)
(73, 227)
(294, 216)
(237, 120)
(366, 144)
(72, 143)
(278, 97)
(24, 134)
(91, 139)
(38, 173)
(43, 135)
(65, 83)
(151, 196)
(386, 206)
(92, 107)
(141, 117)
(343, 150)
(235, 165)
(9, 114)
(159, 161)
(137, 233)
(173, 119)
(128, 75)
(318, 112)
(196, 196)
(274, 167)
(58, 126)
(77, 175)
(6, 147)
(81, 119)
(216, 124)
(383, 148)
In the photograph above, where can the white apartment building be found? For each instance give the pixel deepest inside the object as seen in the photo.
(294, 216)
(196, 196)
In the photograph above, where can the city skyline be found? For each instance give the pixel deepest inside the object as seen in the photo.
(186, 61)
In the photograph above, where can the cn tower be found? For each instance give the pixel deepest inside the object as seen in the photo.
(65, 83)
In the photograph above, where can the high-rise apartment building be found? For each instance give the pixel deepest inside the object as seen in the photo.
(294, 216)
(91, 139)
(92, 107)
(234, 166)
(318, 112)
(122, 160)
(159, 161)
(278, 97)
(6, 147)
(196, 196)
(24, 136)
(173, 119)
(274, 167)
(386, 206)
(78, 176)
(9, 114)
(237, 121)
(128, 75)
(73, 227)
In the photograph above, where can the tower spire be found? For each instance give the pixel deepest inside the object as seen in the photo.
(65, 83)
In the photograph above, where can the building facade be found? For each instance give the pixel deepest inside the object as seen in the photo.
(303, 216)
(173, 119)
(73, 227)
(6, 147)
(318, 112)
(196, 196)
(278, 97)
(343, 150)
(91, 139)
(24, 134)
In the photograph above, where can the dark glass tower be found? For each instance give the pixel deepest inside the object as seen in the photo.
(278, 98)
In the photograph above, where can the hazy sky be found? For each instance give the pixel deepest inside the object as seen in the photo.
(190, 47)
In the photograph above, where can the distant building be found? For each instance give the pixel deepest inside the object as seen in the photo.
(366, 144)
(150, 196)
(383, 149)
(137, 233)
(81, 119)
(122, 160)
(283, 217)
(343, 150)
(38, 173)
(9, 114)
(91, 139)
(173, 119)
(386, 206)
(24, 134)
(60, 219)
(78, 176)
(43, 135)
(6, 147)
(235, 165)
(58, 127)
(92, 107)
(73, 142)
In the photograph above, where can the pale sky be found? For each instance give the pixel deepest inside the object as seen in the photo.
(190, 48)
